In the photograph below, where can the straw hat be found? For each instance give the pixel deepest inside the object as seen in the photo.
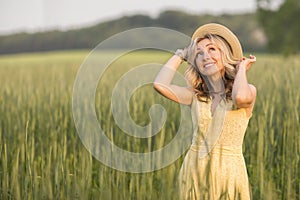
(225, 33)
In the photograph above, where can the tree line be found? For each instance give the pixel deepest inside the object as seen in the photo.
(265, 30)
(89, 37)
(281, 26)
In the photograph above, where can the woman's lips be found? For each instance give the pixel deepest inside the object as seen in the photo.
(209, 65)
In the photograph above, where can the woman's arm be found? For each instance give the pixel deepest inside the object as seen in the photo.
(163, 84)
(243, 93)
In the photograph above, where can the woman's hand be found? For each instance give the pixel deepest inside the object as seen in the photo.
(247, 62)
(187, 53)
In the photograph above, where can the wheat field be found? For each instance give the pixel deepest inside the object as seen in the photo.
(42, 156)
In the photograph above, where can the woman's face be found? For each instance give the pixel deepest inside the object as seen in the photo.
(209, 58)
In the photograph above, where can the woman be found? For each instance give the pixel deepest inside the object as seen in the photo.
(222, 101)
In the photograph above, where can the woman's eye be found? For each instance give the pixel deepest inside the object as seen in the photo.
(212, 49)
(199, 53)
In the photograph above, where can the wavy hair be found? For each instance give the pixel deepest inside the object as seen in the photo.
(195, 78)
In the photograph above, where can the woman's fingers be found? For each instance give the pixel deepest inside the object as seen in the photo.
(247, 62)
(252, 58)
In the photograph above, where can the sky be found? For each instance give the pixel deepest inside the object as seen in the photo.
(41, 15)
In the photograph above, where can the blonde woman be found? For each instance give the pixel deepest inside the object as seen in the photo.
(222, 101)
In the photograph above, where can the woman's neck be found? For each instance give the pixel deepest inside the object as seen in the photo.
(216, 85)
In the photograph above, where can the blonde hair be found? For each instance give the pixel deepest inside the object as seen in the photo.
(194, 76)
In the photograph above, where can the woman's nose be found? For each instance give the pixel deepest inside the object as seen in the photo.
(206, 56)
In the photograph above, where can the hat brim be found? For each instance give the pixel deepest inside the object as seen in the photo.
(225, 33)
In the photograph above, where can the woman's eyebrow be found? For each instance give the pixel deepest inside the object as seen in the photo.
(209, 44)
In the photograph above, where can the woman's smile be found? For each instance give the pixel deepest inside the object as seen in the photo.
(208, 65)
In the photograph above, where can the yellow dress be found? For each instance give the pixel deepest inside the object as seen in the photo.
(220, 174)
